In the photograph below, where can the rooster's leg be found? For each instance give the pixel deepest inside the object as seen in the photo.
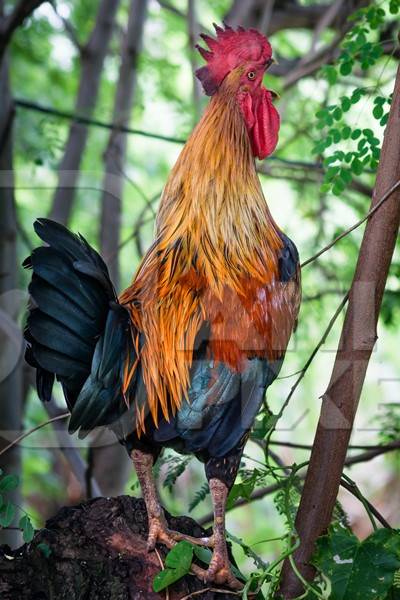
(158, 528)
(219, 570)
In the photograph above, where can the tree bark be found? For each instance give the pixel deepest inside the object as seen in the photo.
(97, 552)
(110, 463)
(358, 338)
(21, 11)
(114, 156)
(11, 342)
(92, 59)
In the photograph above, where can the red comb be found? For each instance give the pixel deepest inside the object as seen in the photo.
(228, 50)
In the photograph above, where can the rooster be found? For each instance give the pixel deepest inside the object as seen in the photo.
(183, 357)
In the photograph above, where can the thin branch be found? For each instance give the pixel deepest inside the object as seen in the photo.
(266, 16)
(353, 488)
(270, 489)
(96, 122)
(324, 23)
(68, 27)
(171, 8)
(30, 431)
(372, 450)
(312, 356)
(376, 206)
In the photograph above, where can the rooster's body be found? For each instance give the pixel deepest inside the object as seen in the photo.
(184, 356)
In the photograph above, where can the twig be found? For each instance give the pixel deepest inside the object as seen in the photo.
(96, 122)
(353, 488)
(69, 28)
(311, 358)
(353, 227)
(209, 589)
(266, 16)
(171, 8)
(370, 448)
(30, 431)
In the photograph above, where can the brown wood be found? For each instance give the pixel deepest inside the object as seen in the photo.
(98, 552)
(358, 338)
(115, 153)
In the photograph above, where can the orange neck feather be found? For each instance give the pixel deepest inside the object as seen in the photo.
(213, 198)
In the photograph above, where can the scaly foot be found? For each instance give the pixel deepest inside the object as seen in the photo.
(219, 571)
(159, 533)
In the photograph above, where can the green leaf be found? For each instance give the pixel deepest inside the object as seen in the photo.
(369, 134)
(27, 528)
(356, 166)
(331, 173)
(346, 68)
(346, 131)
(177, 563)
(345, 175)
(378, 111)
(337, 113)
(338, 187)
(384, 119)
(165, 578)
(356, 134)
(358, 570)
(180, 557)
(8, 483)
(336, 135)
(200, 495)
(331, 74)
(202, 553)
(7, 513)
(346, 103)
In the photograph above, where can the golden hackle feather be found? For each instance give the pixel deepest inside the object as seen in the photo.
(216, 247)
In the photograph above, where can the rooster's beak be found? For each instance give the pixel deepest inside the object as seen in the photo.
(272, 61)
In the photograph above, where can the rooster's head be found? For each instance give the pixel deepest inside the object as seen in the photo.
(243, 56)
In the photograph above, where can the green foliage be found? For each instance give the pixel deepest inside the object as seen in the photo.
(7, 514)
(176, 466)
(359, 570)
(8, 510)
(361, 50)
(245, 488)
(199, 496)
(27, 528)
(389, 422)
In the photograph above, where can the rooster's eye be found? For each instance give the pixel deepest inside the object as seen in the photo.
(251, 75)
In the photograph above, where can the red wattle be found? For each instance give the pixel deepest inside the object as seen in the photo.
(262, 121)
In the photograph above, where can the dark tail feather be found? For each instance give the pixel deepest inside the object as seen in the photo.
(76, 331)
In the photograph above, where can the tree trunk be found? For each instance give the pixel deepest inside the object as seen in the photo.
(92, 59)
(97, 552)
(109, 461)
(11, 342)
(356, 344)
(114, 156)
